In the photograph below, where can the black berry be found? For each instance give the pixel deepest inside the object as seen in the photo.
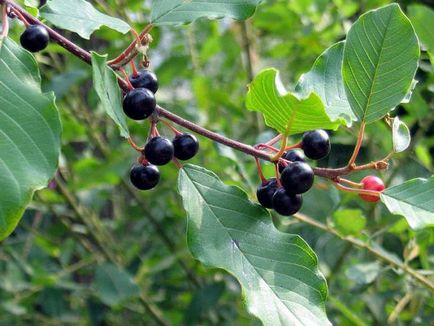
(159, 151)
(297, 178)
(265, 193)
(145, 177)
(139, 103)
(186, 146)
(35, 38)
(292, 155)
(286, 204)
(145, 79)
(316, 144)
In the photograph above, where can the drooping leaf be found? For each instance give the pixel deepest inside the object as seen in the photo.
(400, 135)
(80, 16)
(283, 110)
(422, 18)
(165, 12)
(29, 134)
(325, 79)
(381, 57)
(107, 88)
(114, 285)
(278, 272)
(414, 200)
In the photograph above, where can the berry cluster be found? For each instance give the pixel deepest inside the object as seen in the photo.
(160, 151)
(139, 103)
(296, 178)
(35, 38)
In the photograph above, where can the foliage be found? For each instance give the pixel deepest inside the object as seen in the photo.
(90, 249)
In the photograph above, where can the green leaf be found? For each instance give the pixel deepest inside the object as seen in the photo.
(400, 135)
(284, 111)
(278, 272)
(414, 200)
(325, 79)
(165, 12)
(364, 273)
(349, 221)
(422, 18)
(107, 88)
(113, 285)
(381, 57)
(29, 134)
(80, 16)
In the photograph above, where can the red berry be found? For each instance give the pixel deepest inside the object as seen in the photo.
(374, 183)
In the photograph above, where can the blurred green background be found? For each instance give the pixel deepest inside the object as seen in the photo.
(93, 251)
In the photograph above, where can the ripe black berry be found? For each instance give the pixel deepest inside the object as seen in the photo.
(145, 177)
(145, 79)
(139, 103)
(35, 38)
(292, 155)
(186, 146)
(266, 192)
(297, 178)
(286, 204)
(159, 151)
(316, 144)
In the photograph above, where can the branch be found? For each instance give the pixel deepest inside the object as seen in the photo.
(364, 245)
(247, 149)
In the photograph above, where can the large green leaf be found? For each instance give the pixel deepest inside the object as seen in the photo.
(422, 18)
(284, 111)
(80, 16)
(29, 134)
(114, 285)
(107, 88)
(186, 11)
(414, 200)
(381, 57)
(278, 272)
(325, 79)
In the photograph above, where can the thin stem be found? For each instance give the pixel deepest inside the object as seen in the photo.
(134, 145)
(364, 245)
(281, 151)
(293, 147)
(349, 182)
(171, 127)
(127, 80)
(261, 174)
(5, 22)
(353, 158)
(358, 191)
(20, 17)
(134, 68)
(271, 148)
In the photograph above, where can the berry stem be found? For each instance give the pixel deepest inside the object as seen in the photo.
(178, 164)
(358, 191)
(20, 16)
(134, 145)
(274, 140)
(171, 127)
(352, 161)
(127, 80)
(349, 182)
(5, 22)
(134, 68)
(293, 147)
(261, 146)
(276, 169)
(261, 174)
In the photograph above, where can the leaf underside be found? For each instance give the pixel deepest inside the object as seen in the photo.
(29, 134)
(80, 16)
(278, 272)
(381, 57)
(169, 12)
(414, 200)
(283, 110)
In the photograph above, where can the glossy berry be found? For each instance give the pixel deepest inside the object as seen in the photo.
(292, 155)
(139, 103)
(145, 177)
(265, 193)
(145, 79)
(372, 182)
(316, 144)
(297, 178)
(186, 146)
(286, 204)
(159, 151)
(35, 38)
